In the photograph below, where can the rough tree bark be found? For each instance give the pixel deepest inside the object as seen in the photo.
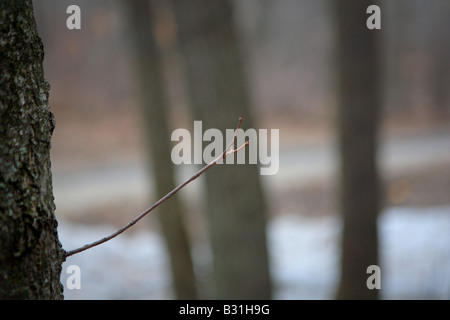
(359, 104)
(148, 65)
(30, 252)
(235, 204)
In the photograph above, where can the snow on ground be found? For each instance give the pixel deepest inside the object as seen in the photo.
(414, 249)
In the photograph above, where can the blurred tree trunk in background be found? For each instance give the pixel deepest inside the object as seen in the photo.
(235, 205)
(439, 78)
(359, 104)
(30, 252)
(148, 64)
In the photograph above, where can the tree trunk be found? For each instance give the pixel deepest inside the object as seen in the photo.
(439, 75)
(30, 252)
(235, 205)
(359, 103)
(148, 65)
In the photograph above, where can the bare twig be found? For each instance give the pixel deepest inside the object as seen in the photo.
(227, 151)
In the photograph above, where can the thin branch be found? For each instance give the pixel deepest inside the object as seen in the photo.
(227, 151)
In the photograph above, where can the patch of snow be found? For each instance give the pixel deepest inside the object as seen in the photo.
(415, 253)
(304, 253)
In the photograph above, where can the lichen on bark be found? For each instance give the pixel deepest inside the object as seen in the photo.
(30, 252)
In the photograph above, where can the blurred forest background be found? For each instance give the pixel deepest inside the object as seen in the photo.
(102, 178)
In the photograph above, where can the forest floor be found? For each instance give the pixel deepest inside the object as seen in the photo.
(303, 251)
